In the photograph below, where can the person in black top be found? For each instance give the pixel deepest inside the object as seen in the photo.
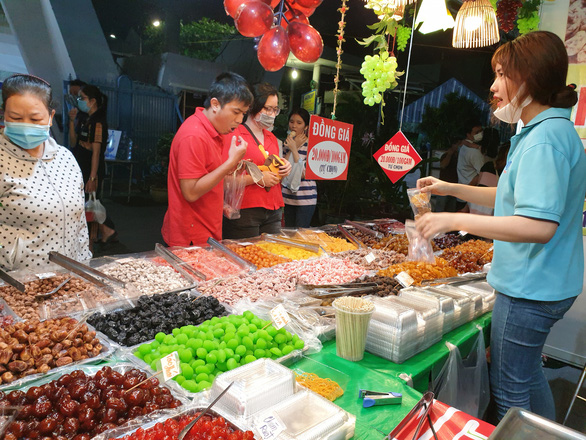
(91, 138)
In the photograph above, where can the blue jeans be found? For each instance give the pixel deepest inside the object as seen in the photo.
(519, 330)
(298, 216)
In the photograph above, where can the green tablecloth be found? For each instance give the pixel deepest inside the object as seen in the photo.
(375, 373)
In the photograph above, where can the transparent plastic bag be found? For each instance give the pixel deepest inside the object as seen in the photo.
(420, 249)
(234, 192)
(420, 202)
(463, 383)
(94, 210)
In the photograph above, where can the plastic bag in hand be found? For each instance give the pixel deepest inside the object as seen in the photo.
(94, 210)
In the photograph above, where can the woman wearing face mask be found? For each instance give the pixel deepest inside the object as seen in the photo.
(300, 195)
(538, 263)
(262, 202)
(90, 140)
(41, 186)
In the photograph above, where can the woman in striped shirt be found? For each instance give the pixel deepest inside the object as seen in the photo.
(299, 195)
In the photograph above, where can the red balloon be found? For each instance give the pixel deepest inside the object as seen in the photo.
(290, 15)
(274, 3)
(309, 3)
(306, 43)
(273, 49)
(231, 6)
(254, 18)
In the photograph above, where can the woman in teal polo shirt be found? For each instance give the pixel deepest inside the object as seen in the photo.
(538, 261)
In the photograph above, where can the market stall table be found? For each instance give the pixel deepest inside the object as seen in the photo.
(420, 366)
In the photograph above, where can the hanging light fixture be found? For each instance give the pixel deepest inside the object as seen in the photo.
(476, 25)
(433, 16)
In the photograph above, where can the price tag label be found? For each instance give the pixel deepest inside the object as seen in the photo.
(280, 317)
(245, 243)
(370, 258)
(404, 279)
(270, 427)
(45, 275)
(171, 366)
(463, 233)
(124, 260)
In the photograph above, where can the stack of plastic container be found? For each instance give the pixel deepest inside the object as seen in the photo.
(485, 290)
(444, 303)
(474, 296)
(393, 331)
(463, 305)
(265, 390)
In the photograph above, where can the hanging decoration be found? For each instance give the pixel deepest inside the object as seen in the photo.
(280, 31)
(380, 70)
(522, 14)
(476, 25)
(340, 35)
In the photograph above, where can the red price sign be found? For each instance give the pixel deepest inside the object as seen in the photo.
(328, 149)
(397, 157)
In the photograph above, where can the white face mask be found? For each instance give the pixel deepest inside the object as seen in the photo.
(511, 113)
(265, 121)
(478, 136)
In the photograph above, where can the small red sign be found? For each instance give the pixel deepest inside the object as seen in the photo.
(328, 149)
(397, 157)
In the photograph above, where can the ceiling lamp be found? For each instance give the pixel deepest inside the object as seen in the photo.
(434, 16)
(476, 25)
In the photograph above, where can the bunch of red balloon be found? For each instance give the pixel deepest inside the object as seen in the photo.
(286, 30)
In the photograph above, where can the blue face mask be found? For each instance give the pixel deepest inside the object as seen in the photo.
(27, 136)
(82, 105)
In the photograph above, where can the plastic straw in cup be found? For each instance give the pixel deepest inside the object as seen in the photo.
(352, 319)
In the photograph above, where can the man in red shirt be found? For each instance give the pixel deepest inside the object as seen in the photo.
(196, 167)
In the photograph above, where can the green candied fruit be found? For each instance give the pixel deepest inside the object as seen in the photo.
(154, 365)
(201, 377)
(276, 352)
(138, 355)
(222, 366)
(248, 315)
(197, 363)
(280, 339)
(185, 355)
(211, 368)
(176, 331)
(263, 334)
(202, 369)
(257, 322)
(201, 353)
(272, 331)
(190, 385)
(240, 350)
(232, 343)
(252, 328)
(159, 337)
(203, 385)
(145, 349)
(211, 377)
(201, 335)
(208, 345)
(215, 320)
(287, 349)
(231, 364)
(247, 342)
(169, 340)
(165, 349)
(248, 359)
(194, 343)
(179, 379)
(243, 330)
(229, 353)
(261, 343)
(155, 344)
(259, 353)
(221, 356)
(229, 336)
(299, 344)
(182, 339)
(187, 371)
(148, 358)
(218, 333)
(211, 358)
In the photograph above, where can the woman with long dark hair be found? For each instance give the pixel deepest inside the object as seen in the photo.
(90, 140)
(538, 263)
